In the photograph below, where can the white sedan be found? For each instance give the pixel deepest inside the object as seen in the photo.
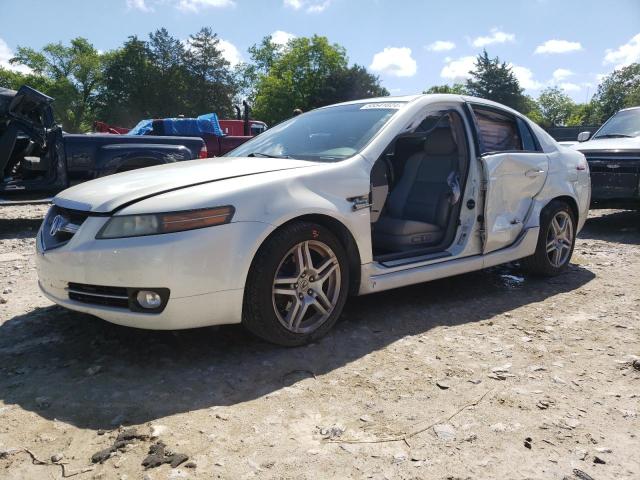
(353, 198)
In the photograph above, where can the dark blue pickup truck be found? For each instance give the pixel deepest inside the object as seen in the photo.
(37, 157)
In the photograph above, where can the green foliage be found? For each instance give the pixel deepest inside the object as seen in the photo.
(74, 71)
(494, 80)
(556, 107)
(162, 78)
(618, 90)
(306, 73)
(456, 88)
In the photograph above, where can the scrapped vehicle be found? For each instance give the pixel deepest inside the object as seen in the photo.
(37, 156)
(220, 136)
(354, 198)
(613, 154)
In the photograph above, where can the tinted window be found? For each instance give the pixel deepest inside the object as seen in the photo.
(528, 141)
(498, 132)
(327, 134)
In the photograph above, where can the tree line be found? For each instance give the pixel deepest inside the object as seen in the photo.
(163, 76)
(494, 79)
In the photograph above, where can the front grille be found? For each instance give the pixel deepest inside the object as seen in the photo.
(60, 225)
(99, 295)
(614, 175)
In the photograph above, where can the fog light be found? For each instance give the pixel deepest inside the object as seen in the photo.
(148, 299)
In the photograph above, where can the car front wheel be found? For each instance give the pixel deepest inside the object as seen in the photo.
(555, 242)
(297, 285)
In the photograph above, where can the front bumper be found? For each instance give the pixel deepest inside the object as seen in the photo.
(205, 271)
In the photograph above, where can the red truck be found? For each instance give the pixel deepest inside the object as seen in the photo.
(220, 136)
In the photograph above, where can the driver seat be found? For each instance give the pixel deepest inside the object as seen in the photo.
(418, 209)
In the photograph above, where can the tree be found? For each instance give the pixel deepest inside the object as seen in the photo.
(126, 97)
(618, 90)
(556, 106)
(211, 84)
(168, 80)
(456, 88)
(75, 73)
(495, 80)
(308, 73)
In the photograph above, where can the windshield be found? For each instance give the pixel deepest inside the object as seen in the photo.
(327, 134)
(622, 124)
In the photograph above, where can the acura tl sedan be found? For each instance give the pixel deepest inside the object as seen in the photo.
(349, 199)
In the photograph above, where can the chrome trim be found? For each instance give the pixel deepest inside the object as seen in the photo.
(91, 294)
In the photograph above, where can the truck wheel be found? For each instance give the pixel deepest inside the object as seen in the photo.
(555, 242)
(297, 285)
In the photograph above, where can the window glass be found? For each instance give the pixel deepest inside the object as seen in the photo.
(498, 132)
(327, 134)
(528, 142)
(623, 124)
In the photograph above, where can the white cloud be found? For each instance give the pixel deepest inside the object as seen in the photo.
(558, 46)
(309, 6)
(394, 61)
(525, 77)
(497, 36)
(138, 5)
(625, 54)
(561, 74)
(281, 38)
(570, 87)
(230, 52)
(458, 69)
(190, 6)
(197, 5)
(441, 46)
(6, 54)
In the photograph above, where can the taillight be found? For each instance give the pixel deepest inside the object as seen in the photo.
(203, 152)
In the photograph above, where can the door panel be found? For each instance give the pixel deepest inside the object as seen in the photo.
(513, 179)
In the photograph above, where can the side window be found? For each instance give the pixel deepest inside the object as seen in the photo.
(498, 131)
(529, 142)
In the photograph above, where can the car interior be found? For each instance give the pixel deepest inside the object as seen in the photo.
(25, 139)
(417, 187)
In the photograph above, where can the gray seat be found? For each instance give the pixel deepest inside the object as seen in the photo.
(417, 211)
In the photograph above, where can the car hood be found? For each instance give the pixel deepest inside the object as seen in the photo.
(610, 144)
(113, 192)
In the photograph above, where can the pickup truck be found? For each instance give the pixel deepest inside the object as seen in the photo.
(220, 136)
(613, 155)
(37, 157)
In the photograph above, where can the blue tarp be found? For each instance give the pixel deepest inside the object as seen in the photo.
(189, 127)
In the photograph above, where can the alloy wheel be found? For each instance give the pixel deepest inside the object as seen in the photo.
(560, 239)
(306, 286)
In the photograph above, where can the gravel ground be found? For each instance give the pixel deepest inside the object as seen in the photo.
(486, 375)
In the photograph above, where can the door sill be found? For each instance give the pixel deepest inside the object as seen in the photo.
(392, 260)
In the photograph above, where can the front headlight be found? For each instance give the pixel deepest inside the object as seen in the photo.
(153, 224)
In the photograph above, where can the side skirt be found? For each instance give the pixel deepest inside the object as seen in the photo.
(376, 280)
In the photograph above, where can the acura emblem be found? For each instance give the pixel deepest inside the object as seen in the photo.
(57, 225)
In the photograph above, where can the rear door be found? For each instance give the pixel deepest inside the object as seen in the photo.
(514, 168)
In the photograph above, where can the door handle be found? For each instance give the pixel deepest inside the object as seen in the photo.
(533, 173)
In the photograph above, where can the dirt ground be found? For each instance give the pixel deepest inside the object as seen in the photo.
(486, 375)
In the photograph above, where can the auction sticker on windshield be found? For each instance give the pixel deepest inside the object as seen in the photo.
(385, 106)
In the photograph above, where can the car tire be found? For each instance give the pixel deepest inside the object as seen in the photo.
(555, 242)
(300, 271)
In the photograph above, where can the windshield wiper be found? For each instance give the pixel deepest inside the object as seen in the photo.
(267, 155)
(614, 135)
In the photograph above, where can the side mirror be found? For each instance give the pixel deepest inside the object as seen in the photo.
(584, 136)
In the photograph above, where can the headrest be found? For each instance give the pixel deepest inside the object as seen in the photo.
(440, 142)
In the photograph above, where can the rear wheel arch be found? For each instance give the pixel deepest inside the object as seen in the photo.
(571, 202)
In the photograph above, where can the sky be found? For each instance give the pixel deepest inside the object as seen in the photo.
(410, 44)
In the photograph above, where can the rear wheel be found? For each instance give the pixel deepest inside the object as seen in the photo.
(297, 285)
(555, 242)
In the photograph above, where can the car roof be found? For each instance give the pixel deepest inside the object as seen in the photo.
(430, 96)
